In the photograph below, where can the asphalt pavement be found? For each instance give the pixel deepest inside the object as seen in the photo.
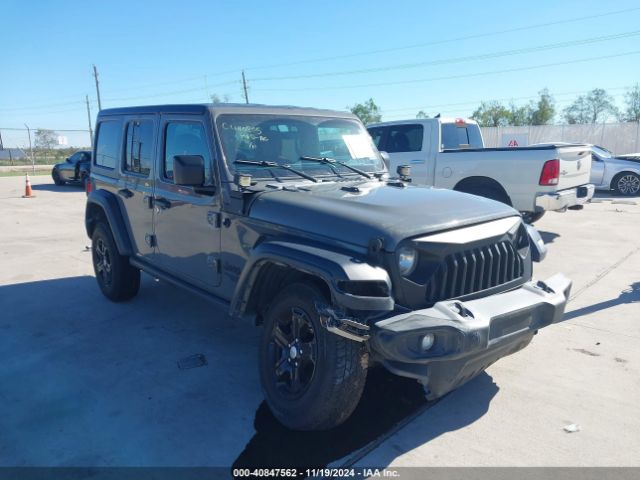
(166, 380)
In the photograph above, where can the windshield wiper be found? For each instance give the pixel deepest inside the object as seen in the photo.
(264, 163)
(331, 161)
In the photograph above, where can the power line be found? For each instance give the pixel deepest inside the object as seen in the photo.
(449, 77)
(350, 55)
(485, 56)
(334, 57)
(449, 40)
(504, 99)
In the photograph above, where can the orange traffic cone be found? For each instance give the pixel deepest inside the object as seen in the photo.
(28, 193)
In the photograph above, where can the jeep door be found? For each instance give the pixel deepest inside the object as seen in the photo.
(186, 219)
(135, 186)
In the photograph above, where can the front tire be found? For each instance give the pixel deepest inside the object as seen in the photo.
(312, 379)
(626, 183)
(117, 279)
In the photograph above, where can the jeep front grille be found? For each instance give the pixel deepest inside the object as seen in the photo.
(470, 271)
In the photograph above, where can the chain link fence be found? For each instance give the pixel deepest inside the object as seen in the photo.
(39, 148)
(620, 138)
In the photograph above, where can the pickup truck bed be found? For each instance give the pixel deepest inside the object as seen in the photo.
(448, 153)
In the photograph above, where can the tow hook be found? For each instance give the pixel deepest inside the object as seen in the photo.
(345, 327)
(461, 310)
(544, 287)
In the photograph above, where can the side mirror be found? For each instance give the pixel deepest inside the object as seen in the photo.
(385, 158)
(188, 170)
(68, 159)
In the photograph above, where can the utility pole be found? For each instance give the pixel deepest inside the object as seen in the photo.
(244, 85)
(33, 160)
(95, 74)
(89, 118)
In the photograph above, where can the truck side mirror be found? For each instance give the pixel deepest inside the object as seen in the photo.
(188, 170)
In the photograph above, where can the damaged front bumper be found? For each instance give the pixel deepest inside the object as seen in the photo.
(451, 342)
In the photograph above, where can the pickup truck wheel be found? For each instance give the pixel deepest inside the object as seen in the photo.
(312, 379)
(493, 194)
(56, 177)
(487, 191)
(117, 279)
(626, 183)
(531, 217)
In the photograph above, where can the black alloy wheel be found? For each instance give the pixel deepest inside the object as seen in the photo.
(293, 352)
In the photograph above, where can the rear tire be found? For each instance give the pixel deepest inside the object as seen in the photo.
(117, 279)
(56, 178)
(492, 192)
(626, 183)
(312, 379)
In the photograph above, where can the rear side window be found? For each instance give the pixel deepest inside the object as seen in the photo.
(404, 138)
(460, 136)
(108, 144)
(185, 138)
(139, 151)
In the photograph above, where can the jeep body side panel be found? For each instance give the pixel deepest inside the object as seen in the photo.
(331, 267)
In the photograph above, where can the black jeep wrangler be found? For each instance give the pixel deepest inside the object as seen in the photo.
(288, 218)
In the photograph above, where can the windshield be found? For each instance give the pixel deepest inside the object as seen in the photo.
(285, 139)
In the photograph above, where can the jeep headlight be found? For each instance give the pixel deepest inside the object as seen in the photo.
(407, 258)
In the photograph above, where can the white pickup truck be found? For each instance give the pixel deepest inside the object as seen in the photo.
(450, 153)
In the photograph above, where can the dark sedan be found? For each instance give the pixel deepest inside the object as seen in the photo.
(75, 169)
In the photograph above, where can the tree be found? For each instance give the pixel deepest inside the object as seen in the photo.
(595, 107)
(421, 114)
(215, 98)
(368, 111)
(520, 115)
(632, 101)
(544, 110)
(45, 139)
(491, 114)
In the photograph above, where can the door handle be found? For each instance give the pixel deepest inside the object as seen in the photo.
(162, 203)
(125, 192)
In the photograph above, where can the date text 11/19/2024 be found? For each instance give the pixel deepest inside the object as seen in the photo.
(316, 472)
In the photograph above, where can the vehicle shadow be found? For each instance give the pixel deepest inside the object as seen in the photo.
(548, 237)
(387, 401)
(629, 295)
(88, 382)
(52, 187)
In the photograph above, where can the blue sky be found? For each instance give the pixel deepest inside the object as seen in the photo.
(174, 52)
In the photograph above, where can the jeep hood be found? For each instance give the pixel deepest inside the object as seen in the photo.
(356, 213)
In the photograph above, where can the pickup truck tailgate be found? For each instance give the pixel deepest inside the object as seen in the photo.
(575, 166)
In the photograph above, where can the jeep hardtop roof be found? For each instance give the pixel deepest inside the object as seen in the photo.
(222, 108)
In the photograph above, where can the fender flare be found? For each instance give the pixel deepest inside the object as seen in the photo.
(329, 266)
(107, 203)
